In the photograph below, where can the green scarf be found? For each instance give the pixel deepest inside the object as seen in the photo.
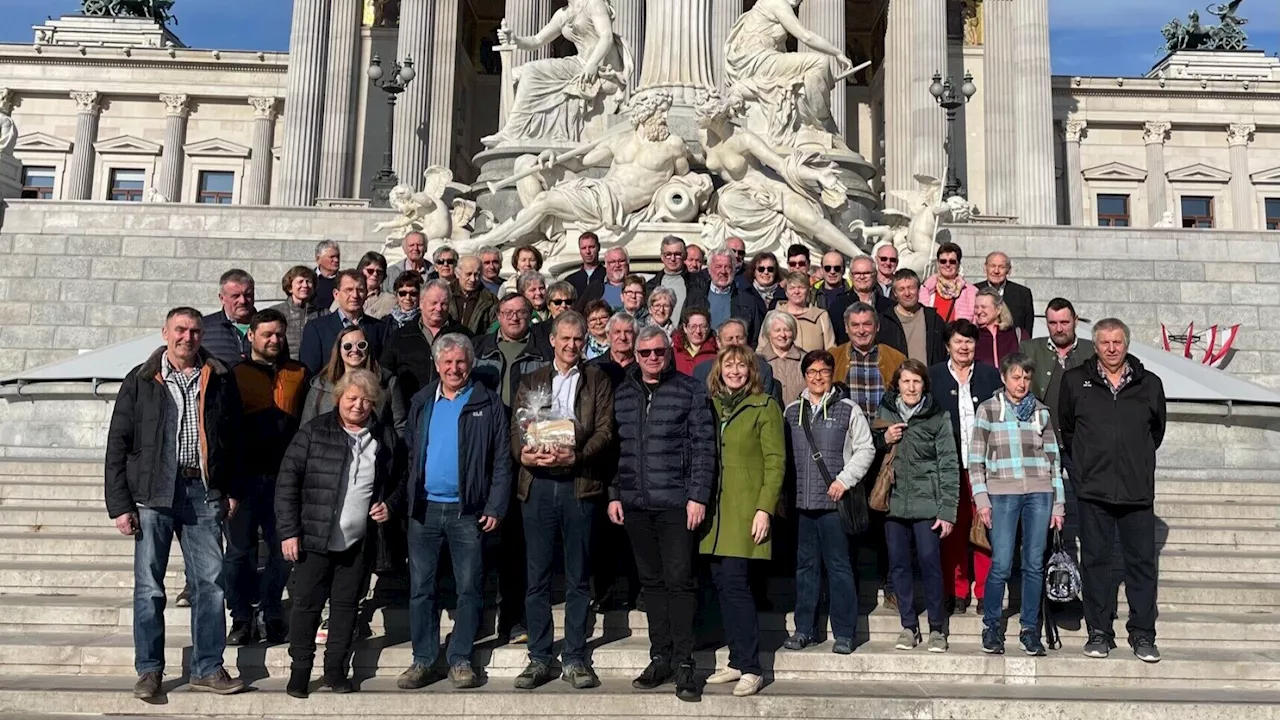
(730, 401)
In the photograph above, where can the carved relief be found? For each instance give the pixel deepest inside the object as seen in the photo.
(87, 101)
(1074, 130)
(1156, 132)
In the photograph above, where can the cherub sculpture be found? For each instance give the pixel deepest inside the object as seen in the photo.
(425, 212)
(915, 234)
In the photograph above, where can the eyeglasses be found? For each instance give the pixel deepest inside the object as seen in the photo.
(559, 301)
(818, 373)
(833, 268)
(740, 253)
(949, 261)
(406, 293)
(514, 314)
(632, 293)
(447, 262)
(596, 320)
(361, 346)
(652, 352)
(891, 261)
(672, 255)
(371, 270)
(766, 269)
(863, 274)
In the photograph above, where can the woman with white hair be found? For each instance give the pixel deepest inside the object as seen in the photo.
(998, 338)
(782, 354)
(662, 303)
(533, 286)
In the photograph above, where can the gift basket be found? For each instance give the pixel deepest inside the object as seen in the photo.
(544, 428)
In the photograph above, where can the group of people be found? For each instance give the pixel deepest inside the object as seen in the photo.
(713, 409)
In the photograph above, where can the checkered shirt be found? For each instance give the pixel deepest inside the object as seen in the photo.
(185, 391)
(866, 385)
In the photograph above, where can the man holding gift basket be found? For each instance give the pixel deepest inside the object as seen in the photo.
(561, 433)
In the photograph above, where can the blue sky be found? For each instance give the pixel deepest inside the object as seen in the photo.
(1090, 37)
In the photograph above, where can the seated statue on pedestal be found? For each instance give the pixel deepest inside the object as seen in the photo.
(556, 96)
(792, 90)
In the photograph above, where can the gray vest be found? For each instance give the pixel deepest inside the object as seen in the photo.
(830, 427)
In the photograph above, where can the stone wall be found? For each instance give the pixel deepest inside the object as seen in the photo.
(78, 276)
(1150, 277)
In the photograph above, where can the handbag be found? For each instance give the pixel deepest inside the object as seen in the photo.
(883, 486)
(978, 534)
(852, 506)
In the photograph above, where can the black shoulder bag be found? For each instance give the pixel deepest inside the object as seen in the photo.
(854, 516)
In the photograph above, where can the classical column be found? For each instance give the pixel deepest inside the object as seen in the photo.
(998, 106)
(628, 24)
(304, 100)
(257, 188)
(443, 70)
(176, 108)
(724, 13)
(409, 152)
(1074, 132)
(79, 179)
(898, 147)
(827, 19)
(1153, 136)
(1037, 191)
(1243, 203)
(525, 18)
(677, 56)
(337, 148)
(928, 55)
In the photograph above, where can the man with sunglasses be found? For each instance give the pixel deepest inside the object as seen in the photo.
(886, 256)
(739, 249)
(799, 259)
(833, 291)
(445, 260)
(690, 288)
(666, 473)
(414, 246)
(320, 334)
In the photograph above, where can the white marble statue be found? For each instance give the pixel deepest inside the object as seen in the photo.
(915, 235)
(425, 212)
(8, 134)
(768, 213)
(1166, 220)
(555, 97)
(792, 90)
(641, 159)
(464, 216)
(155, 196)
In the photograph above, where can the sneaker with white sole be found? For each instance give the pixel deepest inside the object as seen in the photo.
(724, 677)
(1146, 650)
(748, 684)
(938, 642)
(908, 639)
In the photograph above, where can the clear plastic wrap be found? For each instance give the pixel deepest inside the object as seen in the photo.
(543, 427)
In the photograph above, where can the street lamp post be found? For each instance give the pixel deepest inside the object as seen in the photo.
(394, 83)
(951, 101)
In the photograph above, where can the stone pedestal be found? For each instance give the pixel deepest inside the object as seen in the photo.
(104, 31)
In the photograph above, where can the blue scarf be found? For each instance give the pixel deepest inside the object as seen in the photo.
(1024, 408)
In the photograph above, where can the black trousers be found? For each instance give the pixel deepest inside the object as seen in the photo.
(664, 551)
(738, 609)
(1136, 525)
(342, 579)
(613, 565)
(511, 568)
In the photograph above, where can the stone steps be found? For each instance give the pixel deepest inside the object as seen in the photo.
(65, 697)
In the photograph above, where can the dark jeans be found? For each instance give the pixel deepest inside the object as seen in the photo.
(664, 550)
(1032, 511)
(511, 566)
(341, 578)
(431, 527)
(822, 544)
(553, 509)
(240, 565)
(195, 519)
(738, 610)
(613, 564)
(900, 535)
(1099, 523)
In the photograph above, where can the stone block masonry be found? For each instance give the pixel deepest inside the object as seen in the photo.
(1148, 277)
(76, 276)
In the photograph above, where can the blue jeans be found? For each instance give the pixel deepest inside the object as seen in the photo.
(822, 544)
(551, 509)
(436, 524)
(240, 566)
(1033, 510)
(197, 521)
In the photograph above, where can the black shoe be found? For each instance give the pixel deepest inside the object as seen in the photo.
(1145, 648)
(277, 632)
(148, 685)
(799, 641)
(242, 633)
(580, 676)
(518, 635)
(535, 675)
(338, 682)
(363, 630)
(687, 688)
(183, 599)
(1031, 645)
(992, 643)
(612, 603)
(842, 646)
(657, 673)
(1099, 645)
(962, 606)
(299, 683)
(980, 609)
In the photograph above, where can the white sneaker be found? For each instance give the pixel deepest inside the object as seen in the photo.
(724, 677)
(748, 685)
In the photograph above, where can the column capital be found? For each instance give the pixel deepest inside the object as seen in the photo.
(6, 100)
(1074, 129)
(1155, 133)
(1240, 133)
(87, 101)
(264, 108)
(176, 105)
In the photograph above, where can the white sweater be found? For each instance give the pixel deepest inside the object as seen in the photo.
(356, 494)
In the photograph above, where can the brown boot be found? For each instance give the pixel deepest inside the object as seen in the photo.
(219, 682)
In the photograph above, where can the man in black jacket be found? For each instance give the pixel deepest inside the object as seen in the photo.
(690, 288)
(724, 300)
(666, 474)
(408, 355)
(911, 328)
(1017, 297)
(1111, 413)
(172, 466)
(591, 273)
(459, 489)
(224, 329)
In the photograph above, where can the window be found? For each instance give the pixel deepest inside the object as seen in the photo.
(1273, 213)
(1113, 211)
(216, 187)
(1197, 212)
(37, 183)
(127, 185)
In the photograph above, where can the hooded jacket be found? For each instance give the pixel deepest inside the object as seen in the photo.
(926, 468)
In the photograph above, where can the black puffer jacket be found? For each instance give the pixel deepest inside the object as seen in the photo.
(315, 468)
(223, 340)
(408, 357)
(667, 443)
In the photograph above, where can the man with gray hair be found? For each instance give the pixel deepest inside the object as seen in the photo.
(458, 490)
(617, 266)
(491, 269)
(225, 330)
(690, 288)
(408, 355)
(1112, 415)
(414, 246)
(328, 263)
(723, 299)
(735, 331)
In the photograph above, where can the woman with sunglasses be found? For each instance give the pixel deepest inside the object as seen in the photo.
(752, 464)
(813, 324)
(560, 297)
(765, 277)
(407, 290)
(946, 291)
(351, 352)
(635, 298)
(377, 304)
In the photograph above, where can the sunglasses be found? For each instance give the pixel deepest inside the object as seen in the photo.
(767, 269)
(798, 264)
(652, 352)
(558, 302)
(447, 262)
(948, 262)
(891, 261)
(833, 268)
(406, 293)
(361, 346)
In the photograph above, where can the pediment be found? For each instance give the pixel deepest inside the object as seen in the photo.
(1115, 171)
(1199, 173)
(127, 145)
(216, 147)
(42, 142)
(1265, 177)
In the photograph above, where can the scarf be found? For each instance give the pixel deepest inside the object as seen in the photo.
(950, 289)
(765, 293)
(1024, 408)
(730, 400)
(906, 411)
(404, 317)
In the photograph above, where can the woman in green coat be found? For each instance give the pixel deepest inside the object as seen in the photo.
(752, 462)
(925, 495)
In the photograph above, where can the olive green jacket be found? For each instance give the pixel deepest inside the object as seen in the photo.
(753, 461)
(926, 469)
